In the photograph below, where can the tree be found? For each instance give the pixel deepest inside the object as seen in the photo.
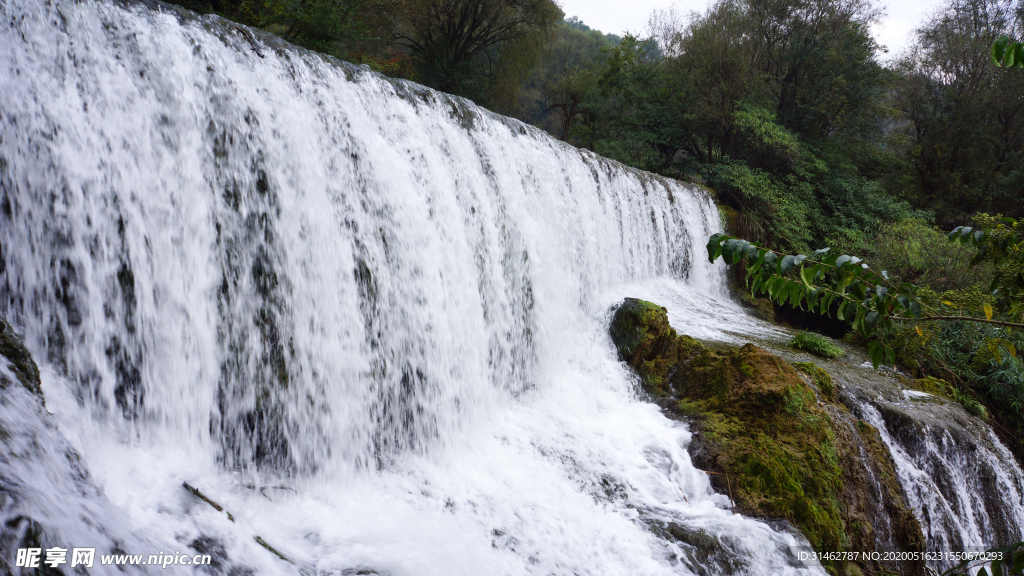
(571, 78)
(471, 47)
(338, 27)
(960, 131)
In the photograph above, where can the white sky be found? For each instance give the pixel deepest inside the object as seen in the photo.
(617, 16)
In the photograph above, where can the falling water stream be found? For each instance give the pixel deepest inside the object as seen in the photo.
(365, 318)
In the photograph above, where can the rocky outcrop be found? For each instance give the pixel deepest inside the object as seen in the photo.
(19, 361)
(775, 439)
(46, 494)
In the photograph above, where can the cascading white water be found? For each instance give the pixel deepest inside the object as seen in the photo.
(367, 318)
(957, 474)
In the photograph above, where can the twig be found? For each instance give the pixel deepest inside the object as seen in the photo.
(727, 485)
(195, 492)
(971, 319)
(263, 543)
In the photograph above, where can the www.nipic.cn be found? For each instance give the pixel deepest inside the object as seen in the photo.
(54, 557)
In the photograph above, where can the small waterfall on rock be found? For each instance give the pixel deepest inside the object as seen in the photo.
(964, 484)
(365, 318)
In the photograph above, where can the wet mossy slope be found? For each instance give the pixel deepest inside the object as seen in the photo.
(780, 444)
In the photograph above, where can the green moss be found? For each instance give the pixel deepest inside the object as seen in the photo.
(760, 425)
(770, 437)
(932, 385)
(644, 338)
(940, 387)
(821, 378)
(816, 344)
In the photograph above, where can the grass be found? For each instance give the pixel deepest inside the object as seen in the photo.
(816, 344)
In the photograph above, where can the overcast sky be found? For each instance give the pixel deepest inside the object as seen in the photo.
(617, 16)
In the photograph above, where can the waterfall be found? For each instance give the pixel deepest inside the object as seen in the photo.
(365, 318)
(959, 477)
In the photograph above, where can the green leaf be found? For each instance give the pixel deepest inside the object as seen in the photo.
(998, 49)
(796, 294)
(715, 246)
(817, 253)
(727, 249)
(752, 253)
(807, 275)
(842, 260)
(915, 309)
(786, 265)
(799, 259)
(877, 352)
(871, 320)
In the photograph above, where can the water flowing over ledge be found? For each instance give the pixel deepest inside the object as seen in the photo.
(367, 318)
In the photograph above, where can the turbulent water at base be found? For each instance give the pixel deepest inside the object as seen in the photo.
(365, 318)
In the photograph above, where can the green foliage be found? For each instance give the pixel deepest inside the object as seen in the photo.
(481, 49)
(343, 28)
(862, 297)
(959, 128)
(816, 344)
(912, 251)
(564, 85)
(1006, 53)
(999, 241)
(826, 283)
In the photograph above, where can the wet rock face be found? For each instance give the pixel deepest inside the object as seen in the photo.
(878, 516)
(38, 469)
(777, 442)
(18, 373)
(19, 360)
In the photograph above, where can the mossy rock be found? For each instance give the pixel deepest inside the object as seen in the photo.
(821, 378)
(761, 425)
(767, 432)
(646, 341)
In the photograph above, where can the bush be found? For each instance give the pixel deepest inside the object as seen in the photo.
(912, 251)
(816, 344)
